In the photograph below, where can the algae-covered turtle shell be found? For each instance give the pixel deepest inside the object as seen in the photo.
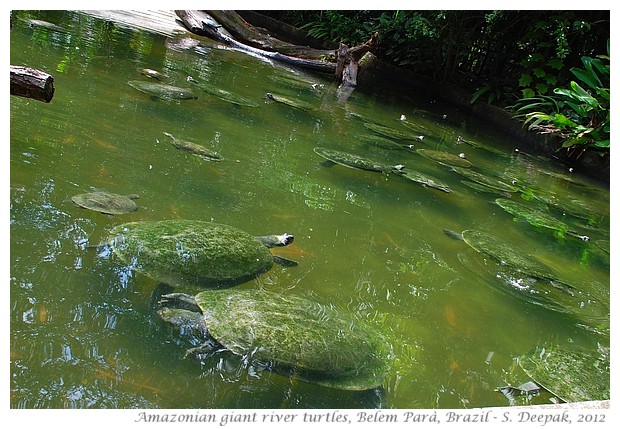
(183, 252)
(298, 104)
(161, 90)
(106, 202)
(290, 334)
(444, 157)
(390, 132)
(538, 218)
(484, 180)
(352, 160)
(423, 179)
(571, 374)
(194, 148)
(506, 255)
(528, 278)
(223, 94)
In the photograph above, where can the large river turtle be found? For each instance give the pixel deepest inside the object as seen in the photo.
(194, 148)
(181, 252)
(161, 90)
(292, 335)
(354, 161)
(106, 202)
(529, 279)
(571, 374)
(391, 133)
(223, 94)
(445, 158)
(537, 217)
(298, 104)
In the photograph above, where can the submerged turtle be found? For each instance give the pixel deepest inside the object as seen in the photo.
(291, 335)
(105, 202)
(354, 161)
(537, 217)
(529, 279)
(444, 157)
(289, 102)
(391, 133)
(506, 255)
(570, 374)
(222, 94)
(160, 90)
(423, 179)
(194, 148)
(491, 182)
(383, 142)
(183, 252)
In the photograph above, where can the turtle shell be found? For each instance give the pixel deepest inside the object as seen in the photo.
(183, 252)
(505, 254)
(571, 374)
(351, 160)
(310, 341)
(491, 182)
(106, 202)
(423, 179)
(161, 90)
(298, 104)
(444, 157)
(390, 132)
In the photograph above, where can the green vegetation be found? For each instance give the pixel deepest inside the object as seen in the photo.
(526, 59)
(579, 113)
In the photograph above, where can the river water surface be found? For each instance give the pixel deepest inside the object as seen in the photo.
(83, 330)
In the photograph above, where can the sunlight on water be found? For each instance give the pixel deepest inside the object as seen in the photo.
(376, 244)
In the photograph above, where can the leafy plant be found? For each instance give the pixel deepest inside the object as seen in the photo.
(579, 113)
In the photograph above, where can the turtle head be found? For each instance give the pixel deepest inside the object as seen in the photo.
(276, 240)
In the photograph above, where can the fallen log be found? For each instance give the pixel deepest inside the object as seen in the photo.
(201, 23)
(32, 83)
(246, 33)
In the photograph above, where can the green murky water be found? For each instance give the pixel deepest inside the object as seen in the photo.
(83, 330)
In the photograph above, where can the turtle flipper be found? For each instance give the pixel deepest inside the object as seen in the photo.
(203, 351)
(284, 261)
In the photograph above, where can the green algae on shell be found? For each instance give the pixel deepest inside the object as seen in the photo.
(297, 104)
(223, 94)
(352, 160)
(536, 217)
(390, 132)
(423, 179)
(484, 180)
(383, 142)
(526, 277)
(506, 255)
(444, 157)
(296, 337)
(194, 148)
(571, 374)
(182, 252)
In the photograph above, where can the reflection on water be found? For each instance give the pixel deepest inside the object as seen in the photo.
(83, 330)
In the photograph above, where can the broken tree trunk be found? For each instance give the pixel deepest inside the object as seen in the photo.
(31, 83)
(230, 28)
(246, 33)
(201, 23)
